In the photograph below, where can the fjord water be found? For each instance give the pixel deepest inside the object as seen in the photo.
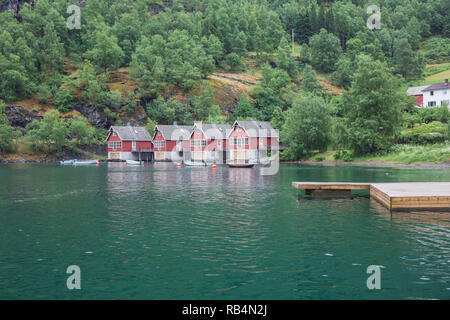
(162, 232)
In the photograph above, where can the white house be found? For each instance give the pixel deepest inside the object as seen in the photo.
(436, 94)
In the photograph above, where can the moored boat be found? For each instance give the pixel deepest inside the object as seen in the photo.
(133, 162)
(195, 163)
(83, 162)
(66, 162)
(241, 165)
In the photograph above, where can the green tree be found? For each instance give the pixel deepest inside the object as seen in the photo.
(372, 107)
(49, 134)
(244, 109)
(407, 62)
(203, 104)
(53, 50)
(81, 131)
(106, 52)
(344, 71)
(150, 126)
(277, 118)
(310, 82)
(274, 89)
(325, 51)
(240, 43)
(307, 125)
(285, 60)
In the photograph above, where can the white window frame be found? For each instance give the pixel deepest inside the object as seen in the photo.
(160, 144)
(197, 143)
(431, 104)
(239, 141)
(115, 145)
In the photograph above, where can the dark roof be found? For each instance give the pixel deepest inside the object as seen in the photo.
(174, 132)
(437, 86)
(213, 130)
(257, 128)
(132, 133)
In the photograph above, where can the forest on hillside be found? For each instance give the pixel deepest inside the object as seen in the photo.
(151, 61)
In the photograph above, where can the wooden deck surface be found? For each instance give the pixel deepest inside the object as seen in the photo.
(395, 195)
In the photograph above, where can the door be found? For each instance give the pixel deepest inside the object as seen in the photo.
(159, 156)
(197, 155)
(239, 156)
(115, 155)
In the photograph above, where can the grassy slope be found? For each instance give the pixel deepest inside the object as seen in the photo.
(435, 153)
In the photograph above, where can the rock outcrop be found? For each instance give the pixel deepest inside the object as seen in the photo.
(13, 5)
(96, 118)
(19, 117)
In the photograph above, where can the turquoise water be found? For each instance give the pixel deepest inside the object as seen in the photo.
(162, 232)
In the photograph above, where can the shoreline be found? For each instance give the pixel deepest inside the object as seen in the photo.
(299, 162)
(370, 163)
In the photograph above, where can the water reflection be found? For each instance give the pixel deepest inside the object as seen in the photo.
(159, 231)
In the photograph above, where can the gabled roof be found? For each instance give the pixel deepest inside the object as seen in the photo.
(213, 130)
(438, 86)
(132, 133)
(255, 129)
(174, 132)
(415, 91)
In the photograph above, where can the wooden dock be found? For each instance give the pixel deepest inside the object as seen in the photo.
(394, 196)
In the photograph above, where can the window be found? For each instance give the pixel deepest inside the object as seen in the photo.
(432, 103)
(115, 145)
(160, 144)
(198, 143)
(445, 102)
(114, 134)
(431, 93)
(239, 141)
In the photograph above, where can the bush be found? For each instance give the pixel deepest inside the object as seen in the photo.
(347, 157)
(7, 133)
(234, 62)
(437, 48)
(43, 93)
(80, 130)
(319, 158)
(427, 115)
(343, 155)
(288, 154)
(64, 99)
(432, 132)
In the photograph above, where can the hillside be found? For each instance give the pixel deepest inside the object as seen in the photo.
(145, 62)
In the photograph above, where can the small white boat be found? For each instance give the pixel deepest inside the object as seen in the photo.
(133, 162)
(84, 162)
(195, 163)
(67, 162)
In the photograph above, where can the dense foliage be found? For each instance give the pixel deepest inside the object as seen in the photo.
(171, 47)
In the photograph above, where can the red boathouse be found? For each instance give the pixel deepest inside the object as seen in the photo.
(129, 143)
